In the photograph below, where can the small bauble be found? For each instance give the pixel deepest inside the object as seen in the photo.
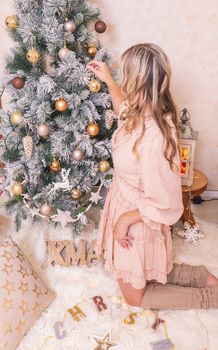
(78, 154)
(2, 165)
(94, 85)
(92, 51)
(17, 189)
(43, 130)
(16, 118)
(63, 52)
(103, 166)
(55, 166)
(61, 105)
(18, 82)
(100, 27)
(12, 22)
(93, 129)
(33, 55)
(46, 209)
(69, 26)
(75, 193)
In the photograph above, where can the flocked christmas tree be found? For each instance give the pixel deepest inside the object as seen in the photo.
(57, 131)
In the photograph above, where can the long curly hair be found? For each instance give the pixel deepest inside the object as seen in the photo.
(146, 81)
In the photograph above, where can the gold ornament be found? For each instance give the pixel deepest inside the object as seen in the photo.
(55, 166)
(93, 129)
(17, 189)
(104, 343)
(61, 105)
(94, 85)
(103, 166)
(33, 55)
(75, 193)
(12, 22)
(92, 50)
(28, 146)
(16, 117)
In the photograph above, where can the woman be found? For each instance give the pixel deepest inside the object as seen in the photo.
(145, 197)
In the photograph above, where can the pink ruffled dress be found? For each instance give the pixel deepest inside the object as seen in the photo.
(151, 186)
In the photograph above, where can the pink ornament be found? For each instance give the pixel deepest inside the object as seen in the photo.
(43, 130)
(63, 52)
(69, 26)
(46, 210)
(78, 154)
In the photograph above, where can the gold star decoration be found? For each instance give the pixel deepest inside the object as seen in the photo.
(7, 328)
(20, 256)
(6, 244)
(37, 307)
(23, 271)
(23, 287)
(9, 286)
(24, 307)
(20, 326)
(7, 268)
(7, 304)
(34, 274)
(37, 291)
(104, 343)
(7, 255)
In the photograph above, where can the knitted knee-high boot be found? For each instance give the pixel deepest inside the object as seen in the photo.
(188, 276)
(170, 297)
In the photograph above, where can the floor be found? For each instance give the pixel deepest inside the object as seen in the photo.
(188, 330)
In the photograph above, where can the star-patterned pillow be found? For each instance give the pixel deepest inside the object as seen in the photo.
(23, 295)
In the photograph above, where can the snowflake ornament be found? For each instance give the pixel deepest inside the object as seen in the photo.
(190, 233)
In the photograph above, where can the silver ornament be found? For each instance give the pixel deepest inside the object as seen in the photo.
(78, 154)
(63, 52)
(43, 130)
(69, 26)
(46, 209)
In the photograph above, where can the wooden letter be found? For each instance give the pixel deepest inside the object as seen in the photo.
(76, 313)
(99, 303)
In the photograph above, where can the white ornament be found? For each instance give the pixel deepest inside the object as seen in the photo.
(190, 233)
(95, 197)
(28, 146)
(34, 212)
(63, 217)
(64, 185)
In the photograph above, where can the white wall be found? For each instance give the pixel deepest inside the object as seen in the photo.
(188, 31)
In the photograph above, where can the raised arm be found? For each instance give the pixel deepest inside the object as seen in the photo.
(102, 72)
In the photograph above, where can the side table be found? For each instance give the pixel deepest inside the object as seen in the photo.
(199, 186)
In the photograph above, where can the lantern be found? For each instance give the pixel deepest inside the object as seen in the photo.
(187, 143)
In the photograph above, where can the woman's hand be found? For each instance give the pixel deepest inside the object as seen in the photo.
(102, 72)
(120, 232)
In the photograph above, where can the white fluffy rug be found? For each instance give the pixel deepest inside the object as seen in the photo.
(188, 330)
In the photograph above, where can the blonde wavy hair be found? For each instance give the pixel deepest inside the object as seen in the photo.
(146, 81)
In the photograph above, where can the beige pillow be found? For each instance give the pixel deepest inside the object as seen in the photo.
(23, 295)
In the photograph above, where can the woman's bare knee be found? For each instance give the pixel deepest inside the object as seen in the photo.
(132, 296)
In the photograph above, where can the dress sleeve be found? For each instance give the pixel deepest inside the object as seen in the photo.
(161, 200)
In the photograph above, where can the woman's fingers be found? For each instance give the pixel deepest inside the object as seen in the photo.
(126, 242)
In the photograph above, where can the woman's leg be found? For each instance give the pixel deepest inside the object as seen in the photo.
(191, 276)
(132, 296)
(170, 297)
